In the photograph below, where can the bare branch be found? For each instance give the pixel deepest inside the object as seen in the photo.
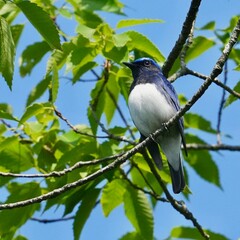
(222, 101)
(217, 147)
(216, 81)
(62, 172)
(45, 221)
(186, 29)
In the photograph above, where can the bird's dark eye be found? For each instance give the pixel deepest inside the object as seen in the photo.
(147, 63)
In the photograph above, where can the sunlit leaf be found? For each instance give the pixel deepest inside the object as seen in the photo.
(112, 195)
(16, 32)
(33, 110)
(232, 98)
(193, 120)
(7, 52)
(201, 161)
(38, 91)
(139, 212)
(103, 5)
(132, 236)
(143, 44)
(193, 233)
(31, 56)
(132, 22)
(208, 26)
(42, 22)
(55, 83)
(12, 220)
(84, 211)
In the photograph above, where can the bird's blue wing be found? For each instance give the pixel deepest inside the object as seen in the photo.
(166, 88)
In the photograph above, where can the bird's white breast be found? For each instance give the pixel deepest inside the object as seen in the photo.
(148, 108)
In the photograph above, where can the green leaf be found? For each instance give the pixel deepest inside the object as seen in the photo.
(15, 156)
(103, 5)
(142, 43)
(98, 101)
(132, 22)
(132, 236)
(16, 32)
(6, 115)
(55, 83)
(7, 52)
(38, 91)
(84, 211)
(200, 45)
(139, 212)
(31, 56)
(193, 233)
(42, 22)
(33, 110)
(193, 120)
(12, 220)
(201, 161)
(208, 26)
(232, 98)
(111, 97)
(112, 195)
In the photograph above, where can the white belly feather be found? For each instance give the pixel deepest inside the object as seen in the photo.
(148, 108)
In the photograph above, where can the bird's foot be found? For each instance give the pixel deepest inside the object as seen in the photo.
(165, 127)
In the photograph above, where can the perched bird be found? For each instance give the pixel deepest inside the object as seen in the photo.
(152, 102)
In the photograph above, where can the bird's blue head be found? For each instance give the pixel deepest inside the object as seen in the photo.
(142, 65)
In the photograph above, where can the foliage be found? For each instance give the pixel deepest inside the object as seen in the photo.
(36, 142)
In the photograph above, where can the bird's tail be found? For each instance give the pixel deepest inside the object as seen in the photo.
(178, 182)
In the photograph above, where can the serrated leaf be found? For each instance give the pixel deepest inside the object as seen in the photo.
(193, 233)
(139, 212)
(38, 91)
(111, 98)
(132, 22)
(12, 220)
(112, 195)
(232, 98)
(201, 161)
(42, 23)
(84, 211)
(32, 111)
(7, 52)
(193, 120)
(97, 104)
(142, 43)
(16, 32)
(55, 83)
(32, 55)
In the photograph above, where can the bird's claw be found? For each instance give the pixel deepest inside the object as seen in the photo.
(165, 127)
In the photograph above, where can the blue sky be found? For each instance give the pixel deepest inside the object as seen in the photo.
(216, 209)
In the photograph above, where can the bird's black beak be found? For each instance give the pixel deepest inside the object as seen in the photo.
(129, 64)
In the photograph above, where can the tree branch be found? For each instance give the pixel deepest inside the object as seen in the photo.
(64, 171)
(186, 29)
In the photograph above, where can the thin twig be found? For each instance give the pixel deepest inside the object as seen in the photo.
(45, 221)
(217, 147)
(186, 29)
(150, 193)
(216, 81)
(222, 101)
(64, 171)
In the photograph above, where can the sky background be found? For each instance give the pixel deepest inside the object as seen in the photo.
(216, 209)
